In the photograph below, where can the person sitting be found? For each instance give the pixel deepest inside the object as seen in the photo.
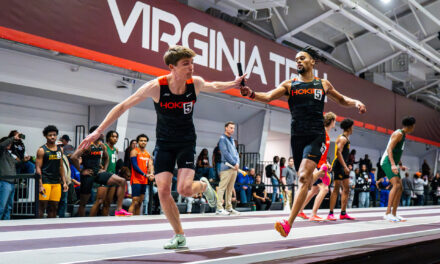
(203, 167)
(195, 199)
(244, 188)
(260, 195)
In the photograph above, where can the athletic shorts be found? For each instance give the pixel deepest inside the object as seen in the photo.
(88, 181)
(386, 167)
(340, 175)
(307, 147)
(317, 182)
(166, 157)
(138, 189)
(53, 192)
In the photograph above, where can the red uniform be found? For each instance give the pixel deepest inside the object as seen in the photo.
(323, 159)
(143, 160)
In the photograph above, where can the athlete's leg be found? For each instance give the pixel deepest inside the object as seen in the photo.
(393, 193)
(345, 193)
(52, 207)
(83, 199)
(120, 193)
(42, 207)
(186, 185)
(305, 179)
(169, 207)
(323, 190)
(312, 192)
(100, 196)
(134, 204)
(108, 200)
(138, 207)
(397, 184)
(334, 195)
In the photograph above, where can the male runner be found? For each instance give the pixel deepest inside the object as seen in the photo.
(320, 187)
(390, 159)
(306, 102)
(49, 166)
(141, 172)
(111, 139)
(174, 96)
(341, 171)
(94, 172)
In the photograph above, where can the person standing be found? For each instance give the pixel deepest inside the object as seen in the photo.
(50, 168)
(420, 182)
(275, 178)
(141, 173)
(111, 139)
(289, 174)
(174, 97)
(363, 183)
(435, 188)
(228, 175)
(341, 171)
(7, 168)
(306, 97)
(408, 189)
(351, 186)
(390, 159)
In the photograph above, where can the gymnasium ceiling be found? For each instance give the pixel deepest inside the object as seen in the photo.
(394, 43)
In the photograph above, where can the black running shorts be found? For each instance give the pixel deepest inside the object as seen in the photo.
(310, 147)
(87, 181)
(166, 157)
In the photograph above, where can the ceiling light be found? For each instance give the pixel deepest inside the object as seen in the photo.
(386, 1)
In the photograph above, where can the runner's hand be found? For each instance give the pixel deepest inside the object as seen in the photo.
(89, 140)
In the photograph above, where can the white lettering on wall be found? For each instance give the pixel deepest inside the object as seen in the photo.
(201, 30)
(160, 15)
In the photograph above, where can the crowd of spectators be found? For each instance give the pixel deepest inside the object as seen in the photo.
(255, 188)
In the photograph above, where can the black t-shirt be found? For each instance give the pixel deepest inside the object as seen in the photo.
(217, 155)
(259, 190)
(18, 149)
(363, 182)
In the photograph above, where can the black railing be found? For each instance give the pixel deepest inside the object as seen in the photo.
(80, 134)
(26, 198)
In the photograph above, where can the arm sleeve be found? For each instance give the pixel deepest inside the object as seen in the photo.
(225, 153)
(135, 165)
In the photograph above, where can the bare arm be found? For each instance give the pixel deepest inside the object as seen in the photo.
(75, 158)
(150, 89)
(282, 89)
(342, 99)
(340, 142)
(39, 163)
(215, 87)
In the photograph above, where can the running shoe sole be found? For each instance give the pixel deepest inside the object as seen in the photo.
(280, 229)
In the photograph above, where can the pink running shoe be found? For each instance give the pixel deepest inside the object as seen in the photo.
(303, 216)
(346, 217)
(122, 212)
(326, 178)
(283, 228)
(331, 217)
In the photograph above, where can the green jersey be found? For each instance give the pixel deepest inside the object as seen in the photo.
(112, 155)
(397, 150)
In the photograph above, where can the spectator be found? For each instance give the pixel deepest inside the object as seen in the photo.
(195, 199)
(50, 168)
(373, 187)
(108, 192)
(363, 183)
(203, 169)
(367, 162)
(357, 173)
(419, 184)
(288, 177)
(408, 189)
(142, 172)
(275, 177)
(426, 170)
(282, 166)
(243, 186)
(435, 188)
(216, 163)
(127, 161)
(380, 171)
(251, 174)
(76, 177)
(62, 205)
(352, 158)
(18, 149)
(7, 168)
(67, 148)
(384, 186)
(351, 185)
(227, 174)
(260, 195)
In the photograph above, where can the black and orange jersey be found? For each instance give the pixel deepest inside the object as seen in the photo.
(175, 114)
(92, 158)
(306, 104)
(336, 165)
(50, 169)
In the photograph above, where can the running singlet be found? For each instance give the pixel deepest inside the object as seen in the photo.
(397, 150)
(50, 169)
(143, 159)
(323, 159)
(336, 165)
(174, 114)
(92, 158)
(306, 103)
(112, 155)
